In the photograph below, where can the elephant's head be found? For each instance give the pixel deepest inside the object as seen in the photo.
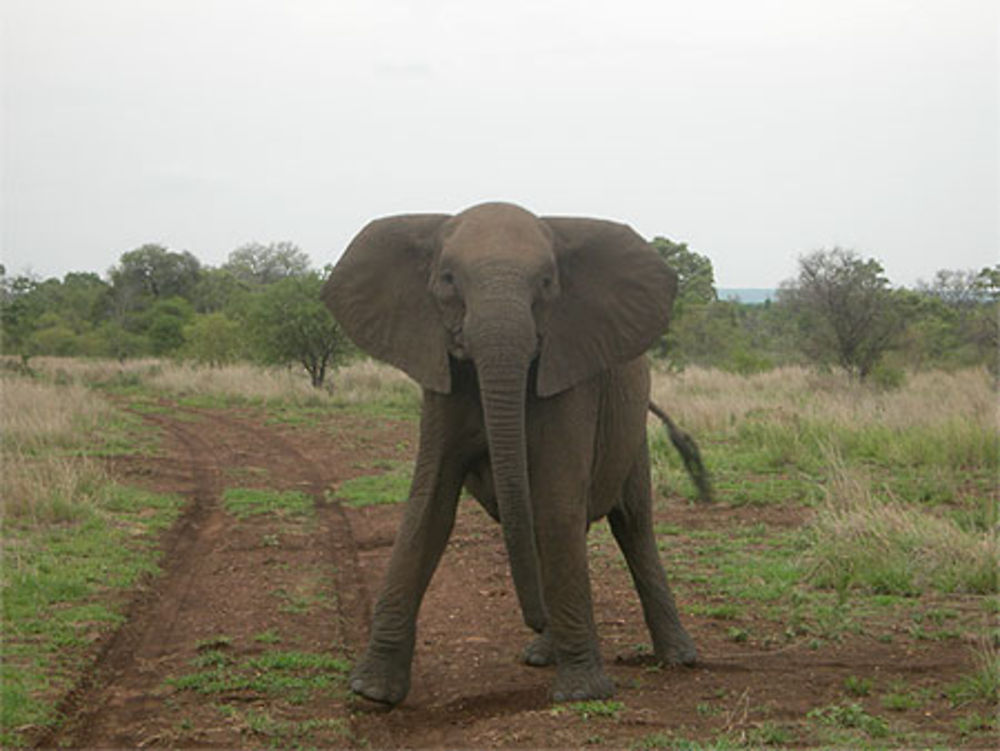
(504, 288)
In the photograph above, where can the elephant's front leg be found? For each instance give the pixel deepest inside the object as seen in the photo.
(383, 673)
(561, 454)
(562, 543)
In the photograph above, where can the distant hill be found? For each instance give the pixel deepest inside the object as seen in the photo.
(749, 295)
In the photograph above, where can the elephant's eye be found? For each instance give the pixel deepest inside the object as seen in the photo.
(446, 287)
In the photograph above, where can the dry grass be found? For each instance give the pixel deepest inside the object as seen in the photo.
(707, 400)
(369, 381)
(361, 382)
(358, 383)
(64, 370)
(241, 381)
(36, 413)
(42, 480)
(48, 489)
(701, 399)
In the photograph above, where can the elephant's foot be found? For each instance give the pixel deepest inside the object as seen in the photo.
(679, 649)
(575, 683)
(383, 680)
(540, 653)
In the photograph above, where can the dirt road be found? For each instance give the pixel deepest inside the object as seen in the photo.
(244, 639)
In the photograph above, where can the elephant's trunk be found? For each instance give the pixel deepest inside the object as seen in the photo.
(503, 346)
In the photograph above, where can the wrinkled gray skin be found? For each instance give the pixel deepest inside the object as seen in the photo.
(527, 335)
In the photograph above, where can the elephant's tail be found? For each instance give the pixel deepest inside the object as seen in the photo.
(689, 452)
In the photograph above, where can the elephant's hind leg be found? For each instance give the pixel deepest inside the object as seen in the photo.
(632, 525)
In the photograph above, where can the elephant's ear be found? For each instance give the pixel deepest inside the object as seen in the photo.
(378, 292)
(615, 298)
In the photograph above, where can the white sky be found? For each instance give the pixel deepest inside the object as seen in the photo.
(754, 130)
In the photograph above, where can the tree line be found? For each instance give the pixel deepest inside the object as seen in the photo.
(839, 311)
(263, 305)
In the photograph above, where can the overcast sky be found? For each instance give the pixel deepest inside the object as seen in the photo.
(753, 130)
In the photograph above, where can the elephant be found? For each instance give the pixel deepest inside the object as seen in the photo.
(528, 336)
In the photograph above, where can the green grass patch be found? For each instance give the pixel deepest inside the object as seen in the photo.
(673, 742)
(585, 710)
(291, 676)
(123, 434)
(244, 503)
(747, 563)
(284, 733)
(271, 636)
(746, 489)
(850, 717)
(772, 456)
(804, 444)
(391, 486)
(975, 723)
(210, 643)
(725, 611)
(899, 698)
(856, 686)
(59, 585)
(300, 601)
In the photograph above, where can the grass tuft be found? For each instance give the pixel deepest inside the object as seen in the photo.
(983, 683)
(889, 547)
(851, 717)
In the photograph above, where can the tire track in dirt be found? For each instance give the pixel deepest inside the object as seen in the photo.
(353, 598)
(184, 551)
(204, 571)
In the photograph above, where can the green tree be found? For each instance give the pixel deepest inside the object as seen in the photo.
(80, 300)
(139, 309)
(695, 290)
(956, 288)
(163, 324)
(932, 336)
(720, 334)
(217, 290)
(290, 324)
(984, 327)
(695, 276)
(214, 339)
(119, 342)
(20, 310)
(53, 335)
(46, 317)
(953, 320)
(255, 263)
(844, 310)
(152, 272)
